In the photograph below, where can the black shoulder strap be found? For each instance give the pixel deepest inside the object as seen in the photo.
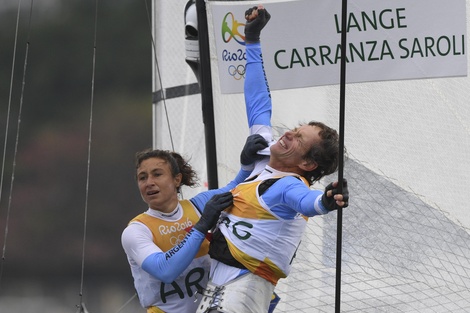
(268, 183)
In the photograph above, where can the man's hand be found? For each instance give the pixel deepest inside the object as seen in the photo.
(212, 210)
(256, 19)
(333, 200)
(253, 144)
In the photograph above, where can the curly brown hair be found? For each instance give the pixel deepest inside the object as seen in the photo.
(325, 153)
(177, 165)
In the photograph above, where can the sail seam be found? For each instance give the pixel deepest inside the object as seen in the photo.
(175, 92)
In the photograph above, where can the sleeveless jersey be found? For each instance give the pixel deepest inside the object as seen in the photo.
(257, 238)
(179, 295)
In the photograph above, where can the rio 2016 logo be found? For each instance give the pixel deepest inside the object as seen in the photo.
(232, 29)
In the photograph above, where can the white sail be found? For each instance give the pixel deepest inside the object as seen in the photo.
(406, 234)
(177, 118)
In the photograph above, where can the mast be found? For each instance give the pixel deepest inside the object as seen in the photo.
(205, 82)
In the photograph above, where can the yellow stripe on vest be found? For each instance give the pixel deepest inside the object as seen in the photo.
(154, 309)
(243, 207)
(265, 269)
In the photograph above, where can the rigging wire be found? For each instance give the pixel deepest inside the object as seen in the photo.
(9, 98)
(127, 303)
(81, 307)
(18, 126)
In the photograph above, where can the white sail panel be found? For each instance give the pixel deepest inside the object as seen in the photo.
(406, 242)
(177, 117)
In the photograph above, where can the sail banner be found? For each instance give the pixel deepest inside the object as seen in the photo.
(386, 40)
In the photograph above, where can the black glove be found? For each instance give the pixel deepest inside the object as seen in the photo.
(329, 202)
(253, 144)
(253, 28)
(212, 210)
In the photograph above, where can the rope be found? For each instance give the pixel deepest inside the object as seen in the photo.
(18, 128)
(81, 305)
(127, 303)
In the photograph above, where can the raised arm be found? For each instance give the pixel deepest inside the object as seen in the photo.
(256, 88)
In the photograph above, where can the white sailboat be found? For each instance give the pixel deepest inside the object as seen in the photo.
(407, 231)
